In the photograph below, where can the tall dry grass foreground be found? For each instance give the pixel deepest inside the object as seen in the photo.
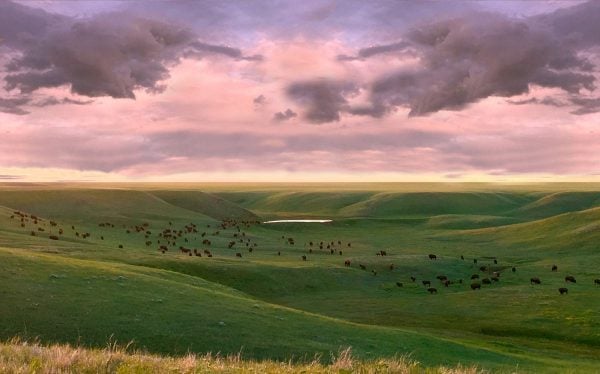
(18, 356)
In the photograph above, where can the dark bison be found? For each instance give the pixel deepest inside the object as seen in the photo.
(535, 280)
(432, 290)
(363, 267)
(597, 282)
(53, 237)
(347, 263)
(462, 257)
(426, 283)
(121, 246)
(475, 276)
(399, 284)
(238, 254)
(303, 258)
(570, 278)
(413, 279)
(514, 269)
(554, 268)
(432, 257)
(446, 282)
(486, 281)
(475, 286)
(563, 290)
(474, 260)
(374, 272)
(483, 268)
(442, 278)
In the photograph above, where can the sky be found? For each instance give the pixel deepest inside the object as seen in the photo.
(317, 90)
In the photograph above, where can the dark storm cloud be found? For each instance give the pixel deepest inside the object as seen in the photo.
(473, 57)
(13, 105)
(323, 100)
(376, 50)
(550, 101)
(477, 55)
(106, 55)
(586, 105)
(284, 116)
(259, 100)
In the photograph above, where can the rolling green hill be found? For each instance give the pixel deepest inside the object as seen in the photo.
(105, 276)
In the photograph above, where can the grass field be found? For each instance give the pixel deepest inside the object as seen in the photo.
(270, 304)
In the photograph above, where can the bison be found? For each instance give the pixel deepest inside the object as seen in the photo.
(535, 280)
(432, 257)
(432, 290)
(486, 281)
(426, 283)
(475, 286)
(554, 268)
(570, 278)
(238, 254)
(303, 258)
(399, 284)
(347, 263)
(563, 290)
(475, 276)
(597, 282)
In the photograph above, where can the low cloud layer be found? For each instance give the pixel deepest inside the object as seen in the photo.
(478, 55)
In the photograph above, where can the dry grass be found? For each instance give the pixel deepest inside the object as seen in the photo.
(18, 356)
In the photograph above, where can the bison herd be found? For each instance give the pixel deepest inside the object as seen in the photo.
(171, 238)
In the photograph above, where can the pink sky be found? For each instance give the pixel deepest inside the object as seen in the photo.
(340, 92)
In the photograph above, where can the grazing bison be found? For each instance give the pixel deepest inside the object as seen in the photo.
(486, 281)
(347, 263)
(432, 290)
(514, 269)
(570, 278)
(363, 267)
(238, 254)
(340, 252)
(426, 283)
(53, 237)
(303, 258)
(597, 282)
(442, 278)
(446, 282)
(374, 272)
(462, 257)
(399, 284)
(554, 268)
(495, 261)
(535, 280)
(278, 253)
(483, 268)
(475, 286)
(474, 260)
(432, 257)
(121, 246)
(475, 276)
(563, 290)
(413, 279)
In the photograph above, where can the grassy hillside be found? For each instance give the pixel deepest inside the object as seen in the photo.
(23, 357)
(105, 275)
